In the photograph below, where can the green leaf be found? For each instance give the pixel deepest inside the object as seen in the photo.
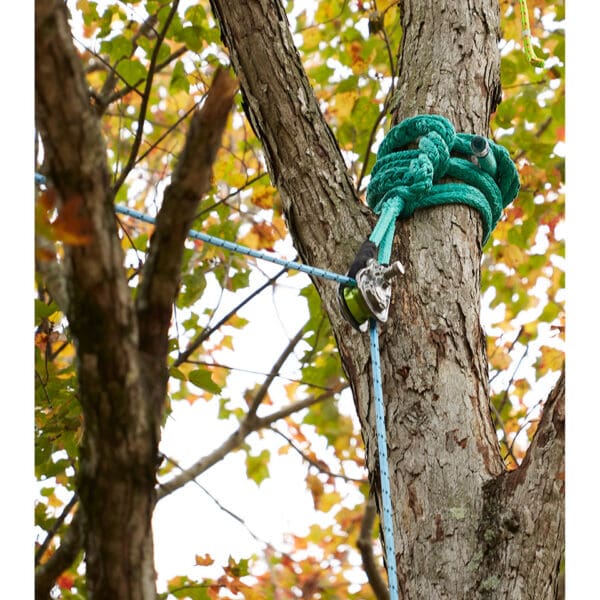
(179, 80)
(43, 310)
(177, 374)
(117, 48)
(196, 15)
(192, 37)
(202, 378)
(132, 71)
(240, 280)
(256, 466)
(238, 568)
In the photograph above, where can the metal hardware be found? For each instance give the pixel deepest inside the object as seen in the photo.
(483, 155)
(372, 294)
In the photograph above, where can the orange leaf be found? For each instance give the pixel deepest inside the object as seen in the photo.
(65, 582)
(70, 226)
(204, 561)
(316, 488)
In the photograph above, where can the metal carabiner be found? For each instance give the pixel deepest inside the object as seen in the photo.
(372, 294)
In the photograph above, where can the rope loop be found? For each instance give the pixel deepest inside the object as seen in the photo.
(412, 159)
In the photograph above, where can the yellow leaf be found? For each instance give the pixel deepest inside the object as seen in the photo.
(262, 196)
(54, 501)
(328, 501)
(204, 561)
(513, 256)
(312, 37)
(251, 240)
(315, 487)
(550, 359)
(343, 104)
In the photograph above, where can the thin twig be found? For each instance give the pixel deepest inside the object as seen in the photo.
(145, 100)
(206, 333)
(59, 521)
(264, 388)
(313, 462)
(205, 363)
(170, 129)
(223, 508)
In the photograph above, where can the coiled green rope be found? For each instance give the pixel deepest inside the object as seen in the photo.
(404, 179)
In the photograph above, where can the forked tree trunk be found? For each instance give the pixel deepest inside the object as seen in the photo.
(464, 527)
(121, 343)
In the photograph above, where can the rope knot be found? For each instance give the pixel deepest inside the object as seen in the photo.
(414, 156)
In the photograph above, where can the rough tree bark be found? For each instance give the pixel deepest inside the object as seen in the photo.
(464, 527)
(122, 370)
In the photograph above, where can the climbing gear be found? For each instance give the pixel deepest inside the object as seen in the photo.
(405, 178)
(402, 180)
(372, 294)
(532, 58)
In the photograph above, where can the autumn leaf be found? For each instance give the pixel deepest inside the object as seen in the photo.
(204, 561)
(315, 487)
(65, 581)
(72, 226)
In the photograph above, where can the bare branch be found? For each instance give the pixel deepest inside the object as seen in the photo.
(63, 558)
(145, 99)
(365, 545)
(314, 463)
(264, 388)
(206, 333)
(223, 508)
(59, 521)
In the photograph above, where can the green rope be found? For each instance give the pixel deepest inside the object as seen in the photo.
(404, 179)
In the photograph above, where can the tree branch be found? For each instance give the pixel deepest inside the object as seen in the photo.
(190, 181)
(303, 157)
(59, 521)
(524, 509)
(206, 333)
(249, 424)
(365, 545)
(145, 99)
(545, 456)
(264, 388)
(70, 546)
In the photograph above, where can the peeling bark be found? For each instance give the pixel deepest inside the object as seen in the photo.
(442, 447)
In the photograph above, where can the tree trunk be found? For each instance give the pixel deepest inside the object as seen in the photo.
(121, 345)
(464, 527)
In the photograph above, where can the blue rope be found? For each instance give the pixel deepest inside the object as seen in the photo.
(234, 247)
(386, 497)
(388, 527)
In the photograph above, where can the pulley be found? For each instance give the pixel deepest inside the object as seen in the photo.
(372, 294)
